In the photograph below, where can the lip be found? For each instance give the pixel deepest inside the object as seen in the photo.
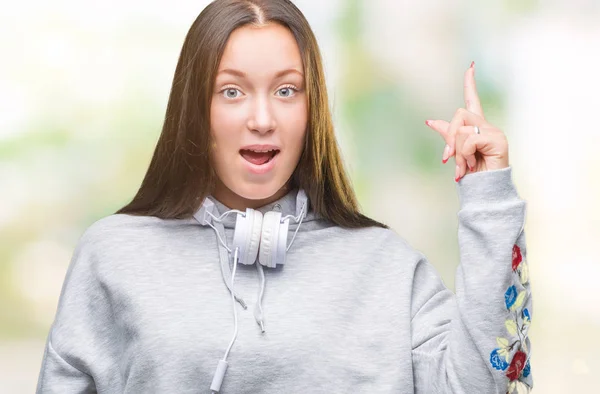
(260, 147)
(260, 169)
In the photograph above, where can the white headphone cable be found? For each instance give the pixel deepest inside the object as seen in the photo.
(235, 256)
(218, 219)
(222, 366)
(297, 227)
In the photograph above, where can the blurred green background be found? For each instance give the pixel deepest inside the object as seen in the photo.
(84, 87)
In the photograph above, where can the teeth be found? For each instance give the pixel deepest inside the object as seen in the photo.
(262, 151)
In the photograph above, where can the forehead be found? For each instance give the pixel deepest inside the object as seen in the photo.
(263, 50)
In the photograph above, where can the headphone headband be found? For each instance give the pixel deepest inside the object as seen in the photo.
(208, 207)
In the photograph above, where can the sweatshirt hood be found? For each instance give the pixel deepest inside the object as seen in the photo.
(289, 204)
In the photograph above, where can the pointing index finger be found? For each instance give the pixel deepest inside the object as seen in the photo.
(472, 102)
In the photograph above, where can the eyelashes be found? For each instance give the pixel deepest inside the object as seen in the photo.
(231, 92)
(291, 88)
(227, 90)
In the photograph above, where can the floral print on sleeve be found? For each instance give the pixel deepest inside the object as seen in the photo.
(517, 326)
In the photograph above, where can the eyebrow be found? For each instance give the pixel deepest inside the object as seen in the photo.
(241, 74)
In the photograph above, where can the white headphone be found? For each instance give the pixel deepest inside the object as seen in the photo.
(254, 236)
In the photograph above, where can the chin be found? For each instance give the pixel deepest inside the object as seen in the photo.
(234, 182)
(255, 191)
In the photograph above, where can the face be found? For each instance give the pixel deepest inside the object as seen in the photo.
(259, 99)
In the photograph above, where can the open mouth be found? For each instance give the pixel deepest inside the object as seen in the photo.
(259, 158)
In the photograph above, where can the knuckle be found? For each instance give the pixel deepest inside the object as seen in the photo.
(502, 141)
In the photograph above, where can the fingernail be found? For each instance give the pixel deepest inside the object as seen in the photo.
(457, 172)
(428, 122)
(472, 64)
(446, 153)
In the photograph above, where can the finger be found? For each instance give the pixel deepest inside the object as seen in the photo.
(467, 132)
(472, 102)
(485, 143)
(472, 144)
(441, 126)
(469, 155)
(471, 161)
(463, 117)
(461, 162)
(457, 121)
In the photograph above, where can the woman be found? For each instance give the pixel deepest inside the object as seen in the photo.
(247, 155)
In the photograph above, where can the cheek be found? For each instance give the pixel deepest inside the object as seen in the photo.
(298, 112)
(225, 124)
(296, 120)
(222, 120)
(221, 129)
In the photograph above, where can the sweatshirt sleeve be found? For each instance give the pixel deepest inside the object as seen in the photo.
(476, 341)
(74, 347)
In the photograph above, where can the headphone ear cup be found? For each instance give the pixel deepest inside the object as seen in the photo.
(254, 241)
(282, 242)
(247, 235)
(273, 232)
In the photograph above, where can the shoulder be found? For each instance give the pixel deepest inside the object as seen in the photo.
(113, 228)
(381, 235)
(119, 235)
(381, 243)
(124, 222)
(116, 226)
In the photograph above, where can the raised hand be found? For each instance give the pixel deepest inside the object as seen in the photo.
(487, 150)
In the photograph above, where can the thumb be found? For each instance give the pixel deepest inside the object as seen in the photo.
(442, 127)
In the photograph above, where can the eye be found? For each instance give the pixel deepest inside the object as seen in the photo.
(230, 93)
(287, 91)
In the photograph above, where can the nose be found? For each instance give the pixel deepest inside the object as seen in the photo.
(261, 117)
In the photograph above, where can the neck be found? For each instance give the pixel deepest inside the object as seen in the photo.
(234, 201)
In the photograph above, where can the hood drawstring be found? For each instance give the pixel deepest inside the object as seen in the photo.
(225, 265)
(258, 311)
(226, 270)
(227, 273)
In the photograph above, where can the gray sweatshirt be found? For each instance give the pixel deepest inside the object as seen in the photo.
(144, 308)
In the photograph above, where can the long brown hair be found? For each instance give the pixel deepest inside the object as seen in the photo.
(180, 174)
